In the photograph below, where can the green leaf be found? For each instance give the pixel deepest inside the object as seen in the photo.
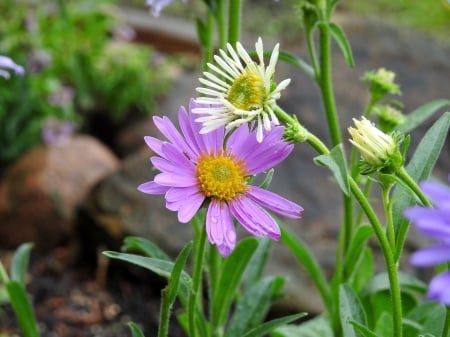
(269, 326)
(381, 282)
(419, 168)
(335, 161)
(317, 327)
(19, 264)
(384, 324)
(357, 243)
(363, 270)
(339, 36)
(309, 262)
(160, 267)
(363, 330)
(421, 114)
(135, 331)
(267, 179)
(350, 309)
(175, 275)
(258, 262)
(233, 269)
(143, 246)
(22, 308)
(251, 308)
(297, 62)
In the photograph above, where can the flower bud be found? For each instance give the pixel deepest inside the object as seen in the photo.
(382, 82)
(379, 151)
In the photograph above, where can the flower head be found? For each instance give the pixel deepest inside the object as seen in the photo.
(389, 117)
(241, 90)
(382, 82)
(7, 63)
(200, 169)
(378, 150)
(156, 6)
(435, 224)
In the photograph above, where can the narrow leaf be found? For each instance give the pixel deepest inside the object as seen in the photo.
(19, 265)
(135, 331)
(175, 275)
(419, 168)
(381, 282)
(251, 308)
(160, 267)
(316, 327)
(22, 308)
(421, 114)
(143, 246)
(233, 269)
(339, 36)
(335, 161)
(357, 243)
(258, 262)
(297, 62)
(362, 329)
(271, 325)
(350, 309)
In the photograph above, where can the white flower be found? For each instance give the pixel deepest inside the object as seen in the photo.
(240, 90)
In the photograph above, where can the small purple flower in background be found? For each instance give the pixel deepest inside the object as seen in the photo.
(435, 224)
(7, 63)
(156, 6)
(57, 132)
(195, 168)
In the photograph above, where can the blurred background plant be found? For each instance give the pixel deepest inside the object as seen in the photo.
(80, 67)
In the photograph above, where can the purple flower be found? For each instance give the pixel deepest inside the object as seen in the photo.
(200, 169)
(57, 132)
(435, 224)
(7, 63)
(156, 6)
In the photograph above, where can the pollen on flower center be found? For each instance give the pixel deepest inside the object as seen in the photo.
(221, 176)
(247, 92)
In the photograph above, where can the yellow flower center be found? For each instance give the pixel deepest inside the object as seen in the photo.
(247, 92)
(221, 176)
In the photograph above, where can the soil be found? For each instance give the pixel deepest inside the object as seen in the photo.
(74, 298)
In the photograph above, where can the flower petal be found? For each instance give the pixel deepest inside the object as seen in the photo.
(275, 202)
(437, 192)
(151, 187)
(220, 227)
(431, 256)
(179, 179)
(188, 209)
(254, 218)
(439, 289)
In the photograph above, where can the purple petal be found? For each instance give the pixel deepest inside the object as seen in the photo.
(439, 289)
(180, 159)
(179, 179)
(220, 227)
(254, 218)
(431, 222)
(151, 187)
(438, 193)
(275, 202)
(165, 125)
(154, 144)
(431, 256)
(190, 207)
(181, 194)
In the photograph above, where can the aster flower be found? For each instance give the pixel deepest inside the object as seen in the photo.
(156, 6)
(241, 90)
(7, 63)
(200, 169)
(379, 151)
(435, 224)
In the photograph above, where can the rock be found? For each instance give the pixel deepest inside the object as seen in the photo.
(40, 192)
(115, 208)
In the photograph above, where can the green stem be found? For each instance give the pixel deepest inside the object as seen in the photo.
(326, 84)
(164, 316)
(312, 52)
(234, 21)
(200, 246)
(385, 190)
(208, 46)
(221, 27)
(446, 330)
(388, 255)
(406, 178)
